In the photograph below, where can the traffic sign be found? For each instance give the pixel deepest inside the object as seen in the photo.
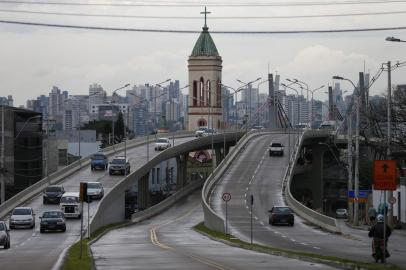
(392, 200)
(363, 193)
(385, 175)
(226, 196)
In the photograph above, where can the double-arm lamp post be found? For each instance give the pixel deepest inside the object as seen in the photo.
(356, 165)
(112, 114)
(163, 88)
(248, 91)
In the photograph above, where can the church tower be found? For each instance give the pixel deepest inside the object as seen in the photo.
(205, 65)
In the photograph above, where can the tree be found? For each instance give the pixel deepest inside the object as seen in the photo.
(103, 129)
(119, 128)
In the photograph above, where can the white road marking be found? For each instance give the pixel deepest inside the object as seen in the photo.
(284, 236)
(293, 240)
(316, 247)
(304, 244)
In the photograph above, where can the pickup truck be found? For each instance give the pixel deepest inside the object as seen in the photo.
(276, 149)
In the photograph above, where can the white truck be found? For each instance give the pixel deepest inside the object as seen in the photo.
(276, 149)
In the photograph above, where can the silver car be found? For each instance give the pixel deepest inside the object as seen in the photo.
(341, 213)
(95, 190)
(23, 217)
(4, 235)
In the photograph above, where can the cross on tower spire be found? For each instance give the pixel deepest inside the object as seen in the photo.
(205, 12)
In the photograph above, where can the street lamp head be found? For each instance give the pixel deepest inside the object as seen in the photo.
(127, 85)
(284, 85)
(240, 81)
(258, 79)
(392, 39)
(338, 78)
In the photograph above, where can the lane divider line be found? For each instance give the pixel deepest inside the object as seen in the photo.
(155, 241)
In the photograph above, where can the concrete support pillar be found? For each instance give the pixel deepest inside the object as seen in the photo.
(219, 156)
(227, 150)
(143, 192)
(181, 162)
(309, 178)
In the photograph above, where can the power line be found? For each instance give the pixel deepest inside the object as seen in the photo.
(209, 4)
(199, 18)
(195, 32)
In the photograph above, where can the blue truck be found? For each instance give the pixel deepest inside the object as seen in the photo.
(99, 161)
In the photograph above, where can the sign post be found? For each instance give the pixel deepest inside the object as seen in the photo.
(385, 179)
(226, 197)
(251, 202)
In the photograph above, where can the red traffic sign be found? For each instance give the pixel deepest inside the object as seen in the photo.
(226, 196)
(385, 175)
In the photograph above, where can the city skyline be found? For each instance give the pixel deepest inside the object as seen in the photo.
(37, 58)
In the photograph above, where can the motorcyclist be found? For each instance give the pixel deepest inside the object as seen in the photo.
(378, 234)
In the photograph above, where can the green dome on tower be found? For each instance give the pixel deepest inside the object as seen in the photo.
(205, 45)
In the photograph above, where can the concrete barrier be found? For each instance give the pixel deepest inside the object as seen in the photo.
(111, 208)
(306, 213)
(168, 202)
(66, 171)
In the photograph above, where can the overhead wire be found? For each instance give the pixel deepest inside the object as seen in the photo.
(208, 4)
(199, 17)
(264, 32)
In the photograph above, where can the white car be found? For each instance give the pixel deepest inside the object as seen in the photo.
(70, 205)
(200, 131)
(209, 132)
(95, 190)
(162, 144)
(22, 217)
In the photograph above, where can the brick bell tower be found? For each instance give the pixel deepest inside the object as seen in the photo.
(204, 66)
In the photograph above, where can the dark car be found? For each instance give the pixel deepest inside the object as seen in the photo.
(99, 161)
(119, 165)
(53, 194)
(4, 235)
(52, 221)
(281, 215)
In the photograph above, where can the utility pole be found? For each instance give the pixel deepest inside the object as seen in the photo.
(356, 169)
(2, 181)
(349, 149)
(388, 150)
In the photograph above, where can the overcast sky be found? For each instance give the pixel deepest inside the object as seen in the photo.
(33, 58)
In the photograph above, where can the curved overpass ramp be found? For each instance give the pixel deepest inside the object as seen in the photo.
(253, 172)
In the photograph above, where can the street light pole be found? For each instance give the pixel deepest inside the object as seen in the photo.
(298, 107)
(356, 166)
(112, 115)
(249, 90)
(160, 86)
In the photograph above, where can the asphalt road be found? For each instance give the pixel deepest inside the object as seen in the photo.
(32, 250)
(254, 172)
(167, 241)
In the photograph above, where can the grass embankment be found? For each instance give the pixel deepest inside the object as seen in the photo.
(72, 260)
(330, 260)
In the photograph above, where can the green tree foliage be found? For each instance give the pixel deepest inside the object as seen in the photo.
(103, 129)
(119, 128)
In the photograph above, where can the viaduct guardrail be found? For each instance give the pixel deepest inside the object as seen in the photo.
(308, 214)
(61, 174)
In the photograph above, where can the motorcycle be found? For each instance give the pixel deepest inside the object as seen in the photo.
(379, 249)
